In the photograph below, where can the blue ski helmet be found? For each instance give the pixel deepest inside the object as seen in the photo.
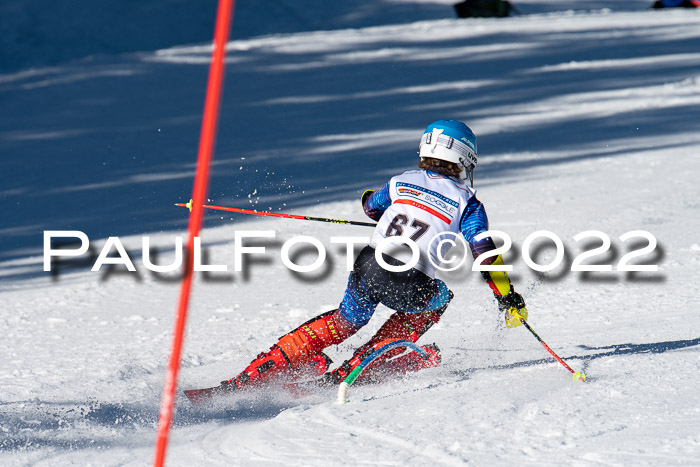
(451, 141)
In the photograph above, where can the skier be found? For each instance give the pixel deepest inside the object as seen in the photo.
(420, 205)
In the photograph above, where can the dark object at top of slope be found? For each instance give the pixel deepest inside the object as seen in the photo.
(676, 4)
(484, 9)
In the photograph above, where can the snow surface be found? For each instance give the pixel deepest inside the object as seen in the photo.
(587, 120)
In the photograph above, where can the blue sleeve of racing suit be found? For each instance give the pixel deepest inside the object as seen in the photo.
(377, 202)
(474, 222)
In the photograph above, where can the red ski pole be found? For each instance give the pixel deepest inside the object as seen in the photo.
(278, 214)
(578, 375)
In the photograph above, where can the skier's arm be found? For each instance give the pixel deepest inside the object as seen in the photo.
(474, 221)
(376, 202)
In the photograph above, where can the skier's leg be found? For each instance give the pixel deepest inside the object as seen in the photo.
(354, 311)
(294, 351)
(413, 320)
(400, 326)
(312, 337)
(403, 325)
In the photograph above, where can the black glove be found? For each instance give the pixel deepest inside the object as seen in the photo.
(513, 306)
(512, 300)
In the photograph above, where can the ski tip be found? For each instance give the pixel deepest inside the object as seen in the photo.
(194, 396)
(580, 376)
(200, 396)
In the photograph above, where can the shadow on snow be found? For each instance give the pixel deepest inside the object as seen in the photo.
(110, 143)
(602, 352)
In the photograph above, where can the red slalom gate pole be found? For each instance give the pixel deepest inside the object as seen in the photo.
(199, 191)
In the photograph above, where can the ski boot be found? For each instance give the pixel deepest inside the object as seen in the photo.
(295, 355)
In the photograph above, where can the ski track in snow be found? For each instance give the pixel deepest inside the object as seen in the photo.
(587, 120)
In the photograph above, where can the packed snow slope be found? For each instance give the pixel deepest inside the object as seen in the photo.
(587, 120)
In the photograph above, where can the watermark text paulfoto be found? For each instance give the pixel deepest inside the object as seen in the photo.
(439, 244)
